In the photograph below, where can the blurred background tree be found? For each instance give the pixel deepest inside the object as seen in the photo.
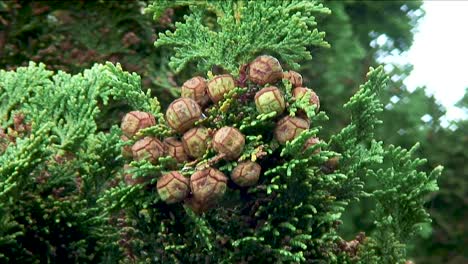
(71, 36)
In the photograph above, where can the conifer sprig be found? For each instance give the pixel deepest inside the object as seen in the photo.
(355, 141)
(399, 212)
(68, 173)
(401, 187)
(57, 168)
(241, 30)
(401, 192)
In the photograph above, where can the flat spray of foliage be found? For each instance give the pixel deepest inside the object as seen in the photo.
(61, 194)
(230, 33)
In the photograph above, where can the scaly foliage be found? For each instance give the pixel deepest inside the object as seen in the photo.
(62, 162)
(63, 199)
(73, 36)
(229, 33)
(400, 194)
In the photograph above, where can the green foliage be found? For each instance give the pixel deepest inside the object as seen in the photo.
(230, 33)
(364, 107)
(63, 163)
(281, 219)
(248, 220)
(62, 198)
(400, 194)
(400, 190)
(448, 207)
(72, 37)
(355, 141)
(409, 116)
(352, 31)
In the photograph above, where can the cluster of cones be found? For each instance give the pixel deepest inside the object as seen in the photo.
(205, 186)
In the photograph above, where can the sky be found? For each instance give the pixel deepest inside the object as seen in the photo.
(440, 54)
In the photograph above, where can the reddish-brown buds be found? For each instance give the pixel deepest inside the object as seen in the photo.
(182, 114)
(293, 77)
(300, 92)
(173, 187)
(133, 121)
(270, 99)
(175, 149)
(195, 142)
(265, 69)
(229, 141)
(288, 128)
(207, 187)
(220, 85)
(148, 148)
(196, 89)
(246, 173)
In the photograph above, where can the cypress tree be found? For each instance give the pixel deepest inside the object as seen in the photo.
(65, 192)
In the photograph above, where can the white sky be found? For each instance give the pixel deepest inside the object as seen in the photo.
(440, 54)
